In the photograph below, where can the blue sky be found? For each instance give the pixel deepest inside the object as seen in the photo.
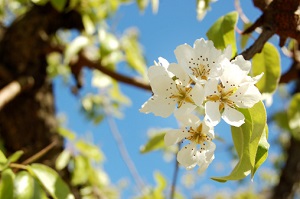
(174, 24)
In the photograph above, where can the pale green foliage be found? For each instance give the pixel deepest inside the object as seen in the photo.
(246, 140)
(7, 184)
(222, 32)
(293, 114)
(268, 62)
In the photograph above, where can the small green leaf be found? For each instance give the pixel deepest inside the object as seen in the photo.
(161, 184)
(62, 159)
(293, 114)
(3, 161)
(268, 62)
(89, 150)
(27, 187)
(262, 151)
(59, 5)
(81, 163)
(222, 32)
(155, 142)
(66, 133)
(15, 156)
(246, 139)
(51, 181)
(7, 184)
(142, 4)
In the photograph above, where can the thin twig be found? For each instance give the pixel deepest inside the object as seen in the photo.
(124, 153)
(13, 89)
(17, 166)
(175, 175)
(39, 154)
(239, 9)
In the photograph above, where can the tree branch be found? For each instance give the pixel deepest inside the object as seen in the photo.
(13, 89)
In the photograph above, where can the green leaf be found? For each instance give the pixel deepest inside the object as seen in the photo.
(90, 150)
(246, 140)
(7, 184)
(62, 159)
(222, 32)
(27, 187)
(59, 5)
(293, 114)
(142, 4)
(262, 151)
(51, 181)
(15, 156)
(66, 133)
(3, 161)
(155, 142)
(161, 182)
(81, 163)
(268, 62)
(133, 52)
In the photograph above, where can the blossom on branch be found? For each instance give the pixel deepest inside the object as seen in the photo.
(203, 61)
(233, 89)
(200, 150)
(171, 88)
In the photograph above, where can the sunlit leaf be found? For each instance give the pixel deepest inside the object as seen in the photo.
(15, 156)
(155, 142)
(246, 140)
(62, 159)
(27, 187)
(142, 4)
(59, 4)
(3, 161)
(88, 24)
(222, 32)
(262, 151)
(268, 62)
(293, 113)
(66, 133)
(7, 184)
(51, 181)
(80, 164)
(89, 150)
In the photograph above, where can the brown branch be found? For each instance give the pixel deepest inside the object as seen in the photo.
(84, 61)
(13, 89)
(258, 44)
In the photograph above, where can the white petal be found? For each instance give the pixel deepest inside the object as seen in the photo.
(180, 73)
(174, 136)
(187, 120)
(188, 156)
(210, 148)
(211, 87)
(212, 112)
(245, 65)
(233, 117)
(163, 86)
(227, 52)
(246, 96)
(232, 76)
(185, 109)
(208, 129)
(183, 54)
(158, 106)
(197, 94)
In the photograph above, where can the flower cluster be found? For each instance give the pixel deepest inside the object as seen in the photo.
(203, 77)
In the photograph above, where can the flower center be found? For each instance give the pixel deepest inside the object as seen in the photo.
(223, 97)
(182, 95)
(201, 72)
(197, 136)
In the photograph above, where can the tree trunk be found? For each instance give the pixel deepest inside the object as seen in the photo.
(28, 122)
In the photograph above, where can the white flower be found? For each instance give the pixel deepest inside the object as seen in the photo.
(200, 150)
(201, 61)
(171, 87)
(234, 89)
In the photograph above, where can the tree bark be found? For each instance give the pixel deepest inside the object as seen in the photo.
(28, 121)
